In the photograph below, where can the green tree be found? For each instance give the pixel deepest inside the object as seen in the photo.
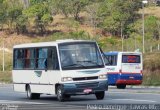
(33, 2)
(10, 12)
(41, 15)
(116, 14)
(152, 27)
(70, 7)
(21, 23)
(92, 10)
(2, 13)
(77, 6)
(62, 6)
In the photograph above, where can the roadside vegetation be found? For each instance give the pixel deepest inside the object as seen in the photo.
(151, 73)
(152, 69)
(6, 77)
(109, 22)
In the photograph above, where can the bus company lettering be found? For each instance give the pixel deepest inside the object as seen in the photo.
(110, 69)
(137, 67)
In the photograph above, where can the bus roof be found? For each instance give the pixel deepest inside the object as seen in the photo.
(118, 52)
(45, 44)
(110, 53)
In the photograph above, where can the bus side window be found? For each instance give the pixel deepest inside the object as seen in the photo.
(55, 60)
(18, 59)
(41, 58)
(52, 59)
(106, 60)
(114, 60)
(32, 58)
(15, 55)
(29, 59)
(111, 60)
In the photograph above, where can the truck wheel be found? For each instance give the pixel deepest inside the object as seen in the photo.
(100, 95)
(31, 95)
(122, 86)
(60, 94)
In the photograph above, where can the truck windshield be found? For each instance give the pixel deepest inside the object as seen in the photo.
(80, 56)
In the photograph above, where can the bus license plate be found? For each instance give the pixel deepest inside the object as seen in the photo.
(131, 77)
(87, 90)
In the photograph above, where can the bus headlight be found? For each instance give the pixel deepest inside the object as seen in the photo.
(104, 76)
(66, 79)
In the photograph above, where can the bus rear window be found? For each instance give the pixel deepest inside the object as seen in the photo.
(131, 59)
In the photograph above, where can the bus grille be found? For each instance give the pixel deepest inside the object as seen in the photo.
(85, 78)
(87, 85)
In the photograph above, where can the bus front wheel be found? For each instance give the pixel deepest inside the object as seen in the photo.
(67, 96)
(100, 95)
(31, 95)
(60, 94)
(121, 86)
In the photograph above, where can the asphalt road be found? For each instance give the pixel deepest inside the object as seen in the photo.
(146, 97)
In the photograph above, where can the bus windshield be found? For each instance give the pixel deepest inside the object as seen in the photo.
(80, 56)
(131, 59)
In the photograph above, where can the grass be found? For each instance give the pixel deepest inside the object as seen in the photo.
(7, 61)
(153, 11)
(151, 69)
(151, 78)
(6, 77)
(152, 61)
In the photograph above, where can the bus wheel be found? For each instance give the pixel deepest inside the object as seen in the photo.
(31, 95)
(60, 94)
(67, 96)
(121, 86)
(100, 95)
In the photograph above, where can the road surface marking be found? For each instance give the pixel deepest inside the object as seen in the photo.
(132, 92)
(19, 102)
(135, 100)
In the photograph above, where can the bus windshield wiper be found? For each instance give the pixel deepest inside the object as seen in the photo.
(73, 65)
(89, 61)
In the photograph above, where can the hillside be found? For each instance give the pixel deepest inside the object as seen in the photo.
(63, 28)
(153, 11)
(60, 26)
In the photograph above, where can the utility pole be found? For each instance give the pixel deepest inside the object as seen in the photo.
(3, 50)
(26, 3)
(143, 2)
(3, 55)
(122, 35)
(135, 43)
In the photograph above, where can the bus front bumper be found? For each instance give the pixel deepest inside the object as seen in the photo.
(83, 88)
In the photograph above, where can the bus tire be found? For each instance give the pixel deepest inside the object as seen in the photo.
(60, 94)
(66, 96)
(31, 95)
(100, 95)
(121, 86)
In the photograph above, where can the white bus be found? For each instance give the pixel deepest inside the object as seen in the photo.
(62, 68)
(124, 68)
